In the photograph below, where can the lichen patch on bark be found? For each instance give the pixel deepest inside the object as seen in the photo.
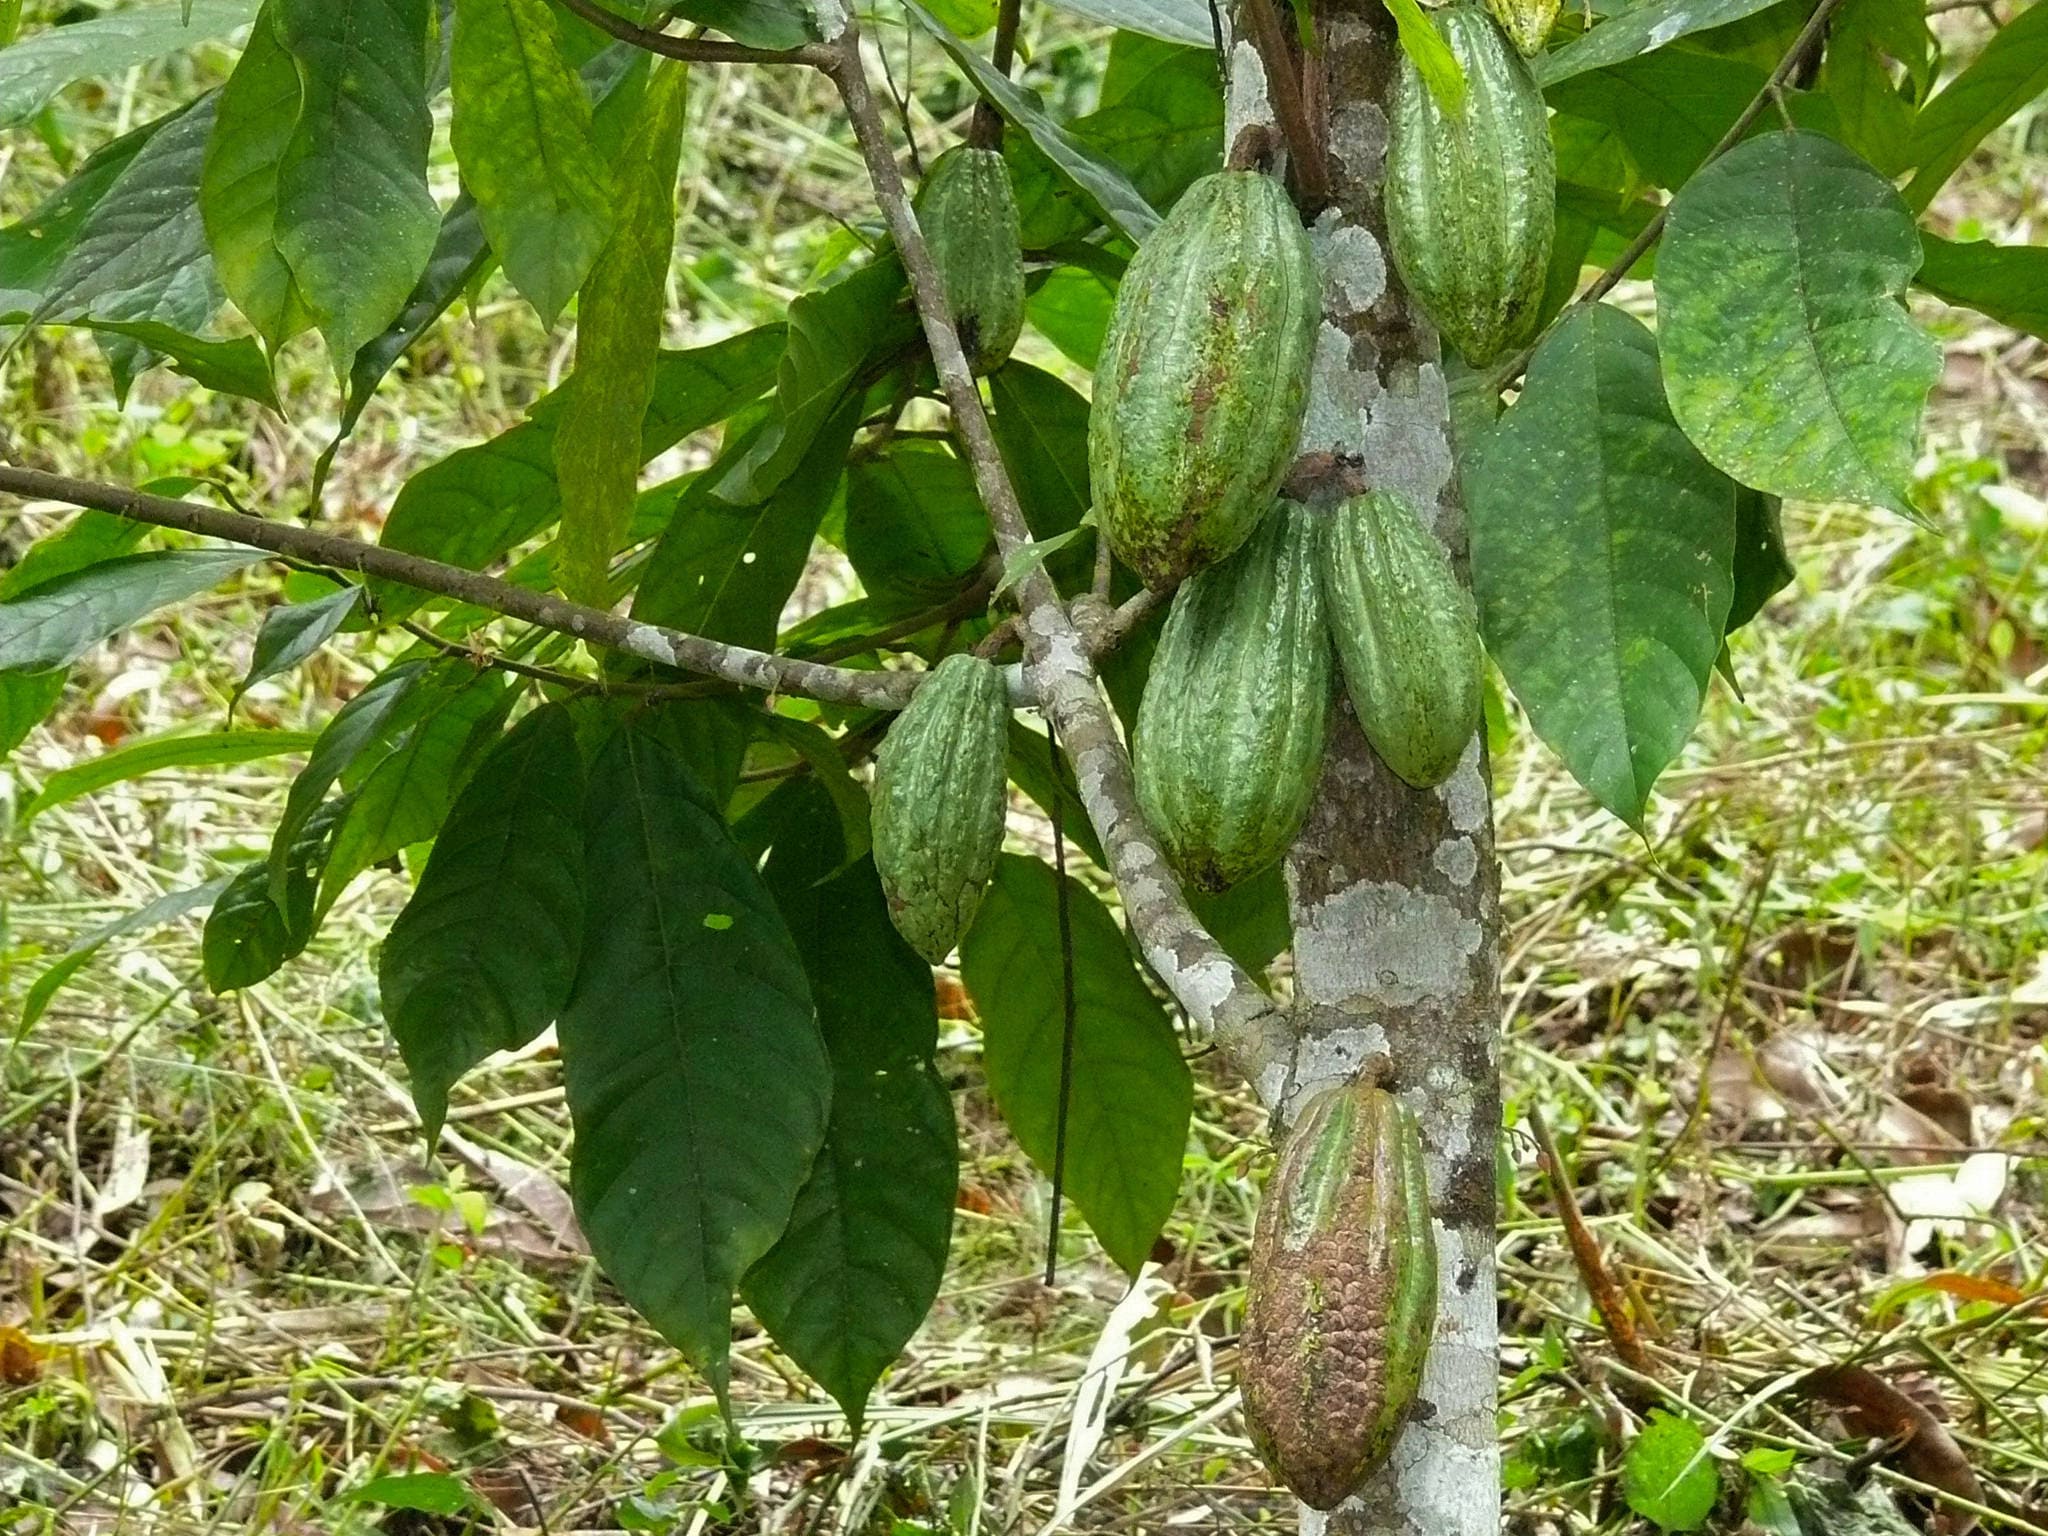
(1406, 946)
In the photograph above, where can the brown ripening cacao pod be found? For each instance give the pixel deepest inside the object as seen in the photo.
(938, 802)
(969, 217)
(1203, 377)
(1472, 193)
(1341, 1300)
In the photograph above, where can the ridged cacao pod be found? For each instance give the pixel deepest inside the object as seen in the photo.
(938, 802)
(1407, 636)
(1472, 194)
(1526, 22)
(1341, 1299)
(1203, 377)
(969, 218)
(1230, 732)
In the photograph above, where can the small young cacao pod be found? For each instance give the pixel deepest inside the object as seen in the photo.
(1203, 376)
(1526, 22)
(1406, 633)
(969, 218)
(1230, 732)
(1341, 1298)
(938, 802)
(1472, 194)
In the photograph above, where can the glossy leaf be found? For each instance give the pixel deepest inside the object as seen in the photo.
(618, 340)
(1173, 21)
(1787, 356)
(54, 624)
(251, 933)
(1097, 178)
(697, 1078)
(522, 132)
(1629, 31)
(89, 539)
(849, 1282)
(257, 115)
(293, 632)
(38, 66)
(473, 506)
(2009, 74)
(210, 749)
(1128, 1120)
(2007, 282)
(482, 957)
(354, 217)
(1602, 552)
(167, 908)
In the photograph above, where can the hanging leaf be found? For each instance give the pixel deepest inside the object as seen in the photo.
(252, 932)
(87, 540)
(1132, 1095)
(1602, 553)
(38, 66)
(33, 247)
(697, 1079)
(1172, 21)
(618, 339)
(1041, 427)
(1787, 356)
(1627, 31)
(757, 23)
(54, 624)
(210, 749)
(254, 124)
(1762, 568)
(26, 699)
(1875, 116)
(522, 133)
(293, 632)
(852, 1278)
(482, 956)
(1668, 1478)
(355, 220)
(2009, 74)
(2009, 283)
(915, 527)
(167, 908)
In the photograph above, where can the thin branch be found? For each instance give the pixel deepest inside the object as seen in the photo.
(1593, 1271)
(986, 130)
(1214, 990)
(1809, 37)
(1290, 108)
(698, 50)
(650, 642)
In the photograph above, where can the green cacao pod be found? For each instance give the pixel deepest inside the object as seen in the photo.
(1341, 1299)
(1526, 22)
(1203, 377)
(1407, 636)
(938, 802)
(1230, 731)
(969, 218)
(1472, 194)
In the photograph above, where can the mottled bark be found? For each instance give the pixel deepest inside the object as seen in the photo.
(1395, 891)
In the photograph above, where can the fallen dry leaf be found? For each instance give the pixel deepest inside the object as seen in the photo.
(1916, 1441)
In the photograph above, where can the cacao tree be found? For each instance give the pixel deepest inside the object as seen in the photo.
(1345, 283)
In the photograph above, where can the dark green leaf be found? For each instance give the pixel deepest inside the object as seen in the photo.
(473, 506)
(1667, 1477)
(1762, 568)
(1098, 179)
(294, 631)
(522, 132)
(726, 571)
(354, 217)
(236, 367)
(1173, 21)
(834, 333)
(26, 699)
(258, 112)
(482, 957)
(1031, 770)
(32, 249)
(1875, 118)
(1787, 356)
(140, 758)
(1041, 426)
(1251, 919)
(1160, 118)
(60, 620)
(851, 1279)
(1636, 29)
(1602, 549)
(405, 797)
(364, 721)
(2009, 74)
(915, 527)
(618, 342)
(432, 1493)
(2007, 282)
(697, 1078)
(757, 23)
(168, 907)
(87, 540)
(814, 746)
(101, 47)
(250, 933)
(1071, 309)
(1132, 1095)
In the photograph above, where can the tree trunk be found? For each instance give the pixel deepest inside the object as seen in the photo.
(1395, 892)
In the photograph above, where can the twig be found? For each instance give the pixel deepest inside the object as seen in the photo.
(1214, 990)
(1607, 1297)
(670, 647)
(1066, 935)
(1809, 36)
(986, 130)
(1290, 109)
(699, 50)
